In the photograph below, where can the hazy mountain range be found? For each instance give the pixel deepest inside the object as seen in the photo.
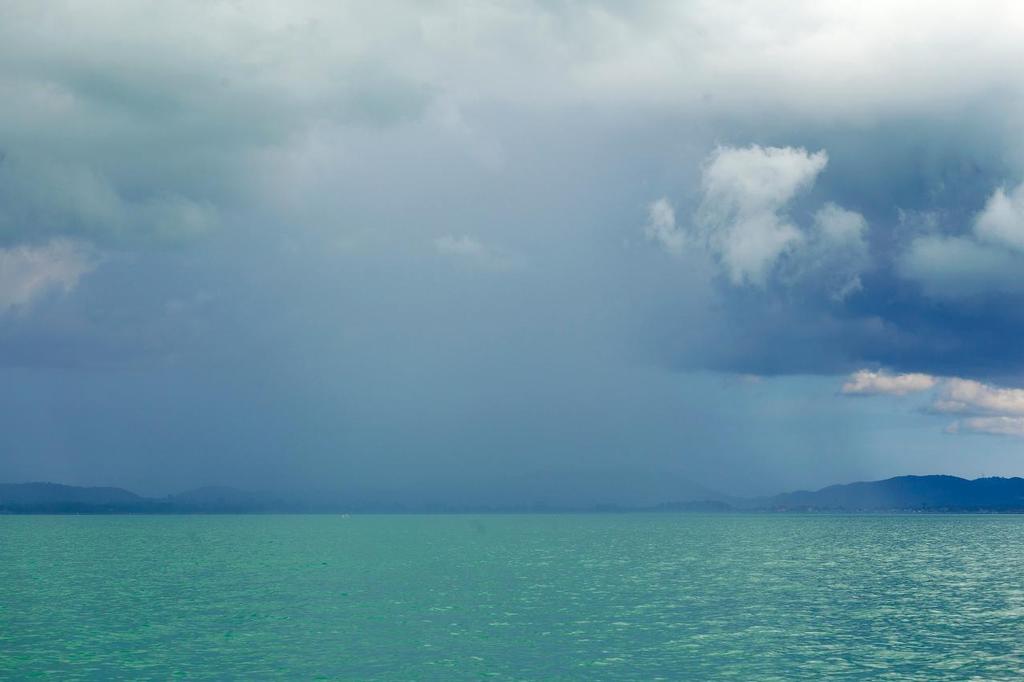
(544, 493)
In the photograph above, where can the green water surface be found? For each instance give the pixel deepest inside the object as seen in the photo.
(666, 596)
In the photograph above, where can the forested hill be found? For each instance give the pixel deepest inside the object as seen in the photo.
(936, 493)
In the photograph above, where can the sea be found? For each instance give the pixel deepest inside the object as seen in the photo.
(516, 597)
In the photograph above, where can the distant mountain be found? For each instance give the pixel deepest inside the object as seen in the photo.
(54, 497)
(601, 491)
(935, 493)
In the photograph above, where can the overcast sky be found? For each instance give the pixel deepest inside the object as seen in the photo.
(422, 246)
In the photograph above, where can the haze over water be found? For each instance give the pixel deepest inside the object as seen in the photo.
(513, 597)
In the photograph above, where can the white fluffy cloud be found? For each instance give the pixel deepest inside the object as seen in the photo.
(965, 396)
(742, 214)
(29, 272)
(983, 408)
(867, 382)
(743, 222)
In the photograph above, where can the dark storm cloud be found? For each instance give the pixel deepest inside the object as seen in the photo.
(936, 280)
(379, 244)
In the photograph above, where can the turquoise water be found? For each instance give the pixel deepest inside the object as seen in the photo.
(512, 597)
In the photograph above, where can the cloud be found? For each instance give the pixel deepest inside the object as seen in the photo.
(838, 62)
(476, 130)
(159, 123)
(861, 285)
(110, 89)
(463, 246)
(833, 253)
(661, 227)
(145, 124)
(742, 222)
(867, 382)
(996, 426)
(960, 267)
(471, 250)
(987, 260)
(966, 396)
(986, 409)
(745, 192)
(29, 272)
(69, 198)
(1001, 222)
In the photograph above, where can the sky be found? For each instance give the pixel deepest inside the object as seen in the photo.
(447, 248)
